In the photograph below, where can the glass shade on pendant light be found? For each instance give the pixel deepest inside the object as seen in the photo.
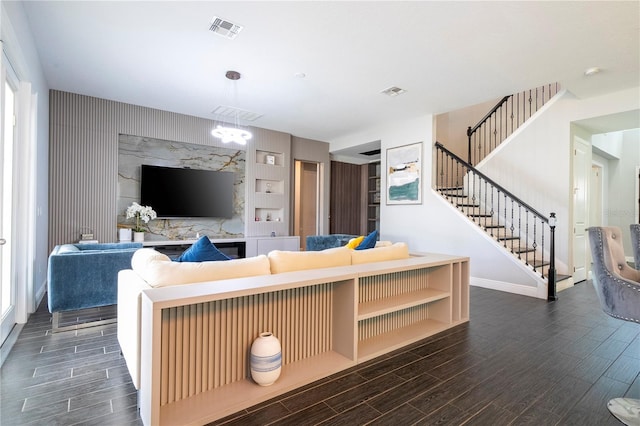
(232, 132)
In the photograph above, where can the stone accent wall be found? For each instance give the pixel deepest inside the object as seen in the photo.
(133, 151)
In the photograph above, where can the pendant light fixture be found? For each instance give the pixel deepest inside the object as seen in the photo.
(232, 132)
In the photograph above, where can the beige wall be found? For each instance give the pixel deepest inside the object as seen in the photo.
(315, 152)
(451, 127)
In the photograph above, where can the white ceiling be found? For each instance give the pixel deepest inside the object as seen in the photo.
(447, 55)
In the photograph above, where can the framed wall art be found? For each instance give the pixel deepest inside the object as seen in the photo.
(404, 174)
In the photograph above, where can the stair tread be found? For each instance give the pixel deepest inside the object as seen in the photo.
(499, 232)
(524, 250)
(539, 264)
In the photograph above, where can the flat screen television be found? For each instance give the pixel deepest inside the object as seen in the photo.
(175, 192)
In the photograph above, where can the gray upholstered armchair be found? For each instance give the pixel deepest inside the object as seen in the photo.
(618, 288)
(635, 242)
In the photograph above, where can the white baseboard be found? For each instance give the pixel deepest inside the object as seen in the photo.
(40, 294)
(523, 290)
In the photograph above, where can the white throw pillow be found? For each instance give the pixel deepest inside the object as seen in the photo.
(159, 271)
(287, 261)
(380, 254)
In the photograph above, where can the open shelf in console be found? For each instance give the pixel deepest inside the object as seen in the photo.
(214, 404)
(379, 307)
(397, 338)
(418, 305)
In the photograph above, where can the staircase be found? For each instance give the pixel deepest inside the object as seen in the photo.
(518, 227)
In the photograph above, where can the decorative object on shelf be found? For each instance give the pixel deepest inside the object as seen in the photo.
(268, 216)
(266, 359)
(232, 132)
(124, 234)
(270, 159)
(404, 174)
(268, 188)
(140, 213)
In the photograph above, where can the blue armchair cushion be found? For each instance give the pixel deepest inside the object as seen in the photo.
(369, 241)
(322, 242)
(202, 250)
(83, 276)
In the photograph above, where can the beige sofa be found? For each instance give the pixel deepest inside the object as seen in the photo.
(152, 269)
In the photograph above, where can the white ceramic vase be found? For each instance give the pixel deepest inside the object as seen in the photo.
(266, 359)
(138, 237)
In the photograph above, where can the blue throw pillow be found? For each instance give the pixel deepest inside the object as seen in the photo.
(202, 250)
(369, 241)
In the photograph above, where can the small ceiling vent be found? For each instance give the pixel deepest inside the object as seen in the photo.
(393, 91)
(232, 112)
(225, 28)
(372, 152)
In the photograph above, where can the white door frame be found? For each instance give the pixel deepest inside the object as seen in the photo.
(580, 218)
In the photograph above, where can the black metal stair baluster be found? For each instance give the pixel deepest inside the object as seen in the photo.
(535, 244)
(473, 190)
(482, 210)
(492, 211)
(493, 226)
(459, 182)
(512, 116)
(519, 229)
(526, 234)
(439, 173)
(542, 243)
(511, 228)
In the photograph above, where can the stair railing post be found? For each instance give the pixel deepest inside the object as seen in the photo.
(551, 280)
(469, 133)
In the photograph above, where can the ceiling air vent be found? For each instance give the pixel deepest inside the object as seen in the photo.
(393, 91)
(225, 28)
(372, 152)
(232, 112)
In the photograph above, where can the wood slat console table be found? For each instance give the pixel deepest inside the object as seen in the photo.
(196, 338)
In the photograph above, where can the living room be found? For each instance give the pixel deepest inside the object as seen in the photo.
(90, 164)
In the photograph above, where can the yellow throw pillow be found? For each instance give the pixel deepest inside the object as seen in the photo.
(355, 242)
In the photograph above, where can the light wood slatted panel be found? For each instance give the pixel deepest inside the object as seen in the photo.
(195, 337)
(377, 287)
(376, 326)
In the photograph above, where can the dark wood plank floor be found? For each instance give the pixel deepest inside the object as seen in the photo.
(519, 361)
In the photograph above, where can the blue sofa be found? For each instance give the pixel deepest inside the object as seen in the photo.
(81, 276)
(321, 242)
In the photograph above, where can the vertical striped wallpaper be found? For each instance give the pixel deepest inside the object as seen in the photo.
(83, 158)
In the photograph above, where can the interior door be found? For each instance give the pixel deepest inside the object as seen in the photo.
(581, 176)
(306, 205)
(8, 285)
(595, 196)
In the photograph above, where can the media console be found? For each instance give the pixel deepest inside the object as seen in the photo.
(232, 247)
